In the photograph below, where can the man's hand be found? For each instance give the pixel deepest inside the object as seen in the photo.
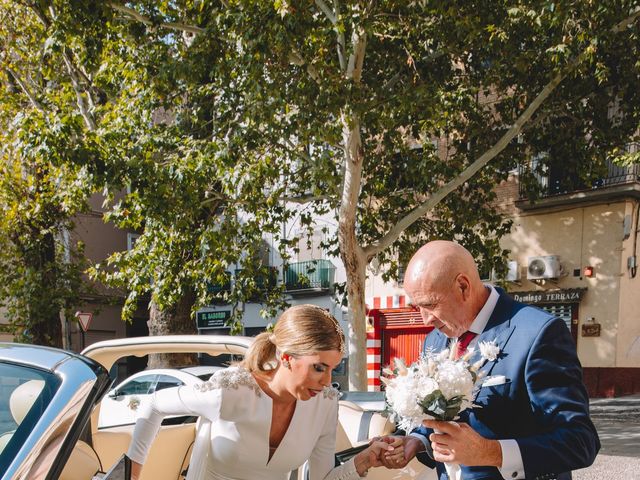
(405, 448)
(459, 443)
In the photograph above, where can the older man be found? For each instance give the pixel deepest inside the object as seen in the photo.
(534, 423)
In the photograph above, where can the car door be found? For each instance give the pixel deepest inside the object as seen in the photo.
(46, 397)
(121, 405)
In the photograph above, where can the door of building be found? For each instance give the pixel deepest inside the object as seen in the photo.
(403, 334)
(567, 312)
(403, 342)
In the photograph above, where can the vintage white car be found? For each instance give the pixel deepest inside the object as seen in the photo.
(123, 403)
(50, 405)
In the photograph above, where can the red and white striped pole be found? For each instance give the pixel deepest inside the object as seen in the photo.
(374, 347)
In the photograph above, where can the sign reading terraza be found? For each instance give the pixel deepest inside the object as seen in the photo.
(569, 295)
(215, 319)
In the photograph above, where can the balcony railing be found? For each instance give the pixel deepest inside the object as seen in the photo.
(310, 275)
(559, 182)
(263, 281)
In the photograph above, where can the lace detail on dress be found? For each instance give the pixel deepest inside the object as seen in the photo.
(330, 392)
(230, 378)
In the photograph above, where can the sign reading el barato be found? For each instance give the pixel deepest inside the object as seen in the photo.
(215, 319)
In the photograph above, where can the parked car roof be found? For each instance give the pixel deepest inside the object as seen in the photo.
(203, 372)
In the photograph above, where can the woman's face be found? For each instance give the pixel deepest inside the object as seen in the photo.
(309, 374)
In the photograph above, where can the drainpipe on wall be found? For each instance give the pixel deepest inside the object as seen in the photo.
(632, 261)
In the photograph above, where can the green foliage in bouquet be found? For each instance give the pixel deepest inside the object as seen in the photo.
(436, 405)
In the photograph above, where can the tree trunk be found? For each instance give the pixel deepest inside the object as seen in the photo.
(43, 323)
(351, 253)
(173, 321)
(357, 325)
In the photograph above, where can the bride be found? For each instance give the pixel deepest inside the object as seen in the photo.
(268, 415)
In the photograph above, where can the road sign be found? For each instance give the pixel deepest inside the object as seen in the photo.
(84, 319)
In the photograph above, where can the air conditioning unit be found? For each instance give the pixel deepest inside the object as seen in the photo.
(511, 275)
(539, 268)
(513, 271)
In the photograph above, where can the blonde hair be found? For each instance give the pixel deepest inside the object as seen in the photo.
(300, 330)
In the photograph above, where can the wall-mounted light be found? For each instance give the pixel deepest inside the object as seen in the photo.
(588, 271)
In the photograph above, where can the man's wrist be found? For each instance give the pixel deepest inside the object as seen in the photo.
(494, 453)
(420, 442)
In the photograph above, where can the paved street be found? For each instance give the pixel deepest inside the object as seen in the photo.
(618, 423)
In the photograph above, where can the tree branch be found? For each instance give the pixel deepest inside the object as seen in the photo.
(302, 199)
(25, 89)
(342, 44)
(295, 58)
(333, 17)
(395, 231)
(327, 11)
(74, 72)
(80, 99)
(130, 12)
(356, 59)
(215, 198)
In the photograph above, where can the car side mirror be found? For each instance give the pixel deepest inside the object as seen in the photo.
(113, 394)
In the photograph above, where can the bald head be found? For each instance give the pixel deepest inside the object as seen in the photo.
(443, 282)
(438, 263)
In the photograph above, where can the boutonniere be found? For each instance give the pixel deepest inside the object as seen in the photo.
(489, 350)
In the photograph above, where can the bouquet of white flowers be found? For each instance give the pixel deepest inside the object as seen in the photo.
(437, 386)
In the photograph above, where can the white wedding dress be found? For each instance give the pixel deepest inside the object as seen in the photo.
(232, 442)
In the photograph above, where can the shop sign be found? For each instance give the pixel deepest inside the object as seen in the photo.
(217, 319)
(568, 295)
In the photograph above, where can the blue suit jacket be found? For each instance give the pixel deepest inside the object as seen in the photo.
(543, 405)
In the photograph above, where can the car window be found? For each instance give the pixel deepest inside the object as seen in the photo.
(167, 381)
(25, 393)
(138, 386)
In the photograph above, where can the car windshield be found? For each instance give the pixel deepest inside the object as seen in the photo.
(25, 393)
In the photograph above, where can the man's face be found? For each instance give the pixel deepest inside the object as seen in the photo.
(442, 308)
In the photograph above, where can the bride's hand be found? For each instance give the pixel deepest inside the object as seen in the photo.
(136, 469)
(370, 457)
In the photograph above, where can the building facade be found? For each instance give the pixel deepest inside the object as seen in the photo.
(102, 310)
(587, 239)
(574, 252)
